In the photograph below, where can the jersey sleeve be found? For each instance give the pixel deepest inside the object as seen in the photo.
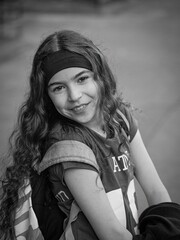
(78, 165)
(70, 153)
(57, 171)
(129, 122)
(63, 155)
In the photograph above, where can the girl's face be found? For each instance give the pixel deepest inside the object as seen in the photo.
(75, 94)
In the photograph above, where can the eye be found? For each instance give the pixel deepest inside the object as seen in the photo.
(82, 79)
(58, 88)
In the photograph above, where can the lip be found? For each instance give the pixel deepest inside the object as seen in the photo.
(79, 108)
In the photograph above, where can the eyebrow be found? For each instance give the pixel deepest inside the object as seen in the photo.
(74, 77)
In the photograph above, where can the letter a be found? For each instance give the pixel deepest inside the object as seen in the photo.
(116, 166)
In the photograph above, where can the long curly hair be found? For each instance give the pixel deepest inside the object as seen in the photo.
(37, 116)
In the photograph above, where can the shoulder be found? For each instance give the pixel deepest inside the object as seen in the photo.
(68, 146)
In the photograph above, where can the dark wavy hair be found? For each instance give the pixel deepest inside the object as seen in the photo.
(37, 116)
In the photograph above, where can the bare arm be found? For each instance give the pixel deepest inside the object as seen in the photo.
(146, 173)
(89, 193)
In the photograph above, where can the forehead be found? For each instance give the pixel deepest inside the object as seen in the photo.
(68, 73)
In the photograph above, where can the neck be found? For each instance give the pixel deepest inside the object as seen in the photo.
(101, 131)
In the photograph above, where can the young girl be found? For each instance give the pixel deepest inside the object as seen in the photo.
(75, 130)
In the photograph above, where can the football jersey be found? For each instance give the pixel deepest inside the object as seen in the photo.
(77, 149)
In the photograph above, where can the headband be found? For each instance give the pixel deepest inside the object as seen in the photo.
(63, 59)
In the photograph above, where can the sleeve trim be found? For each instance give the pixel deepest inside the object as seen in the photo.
(68, 150)
(124, 119)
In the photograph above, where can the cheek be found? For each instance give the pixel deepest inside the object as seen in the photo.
(58, 102)
(97, 93)
(59, 107)
(94, 90)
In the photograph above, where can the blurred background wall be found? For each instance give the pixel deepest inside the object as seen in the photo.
(141, 40)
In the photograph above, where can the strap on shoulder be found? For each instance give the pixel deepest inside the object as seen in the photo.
(123, 117)
(125, 126)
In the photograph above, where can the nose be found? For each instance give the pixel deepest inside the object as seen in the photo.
(74, 94)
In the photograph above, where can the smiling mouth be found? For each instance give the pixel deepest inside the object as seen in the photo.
(79, 108)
